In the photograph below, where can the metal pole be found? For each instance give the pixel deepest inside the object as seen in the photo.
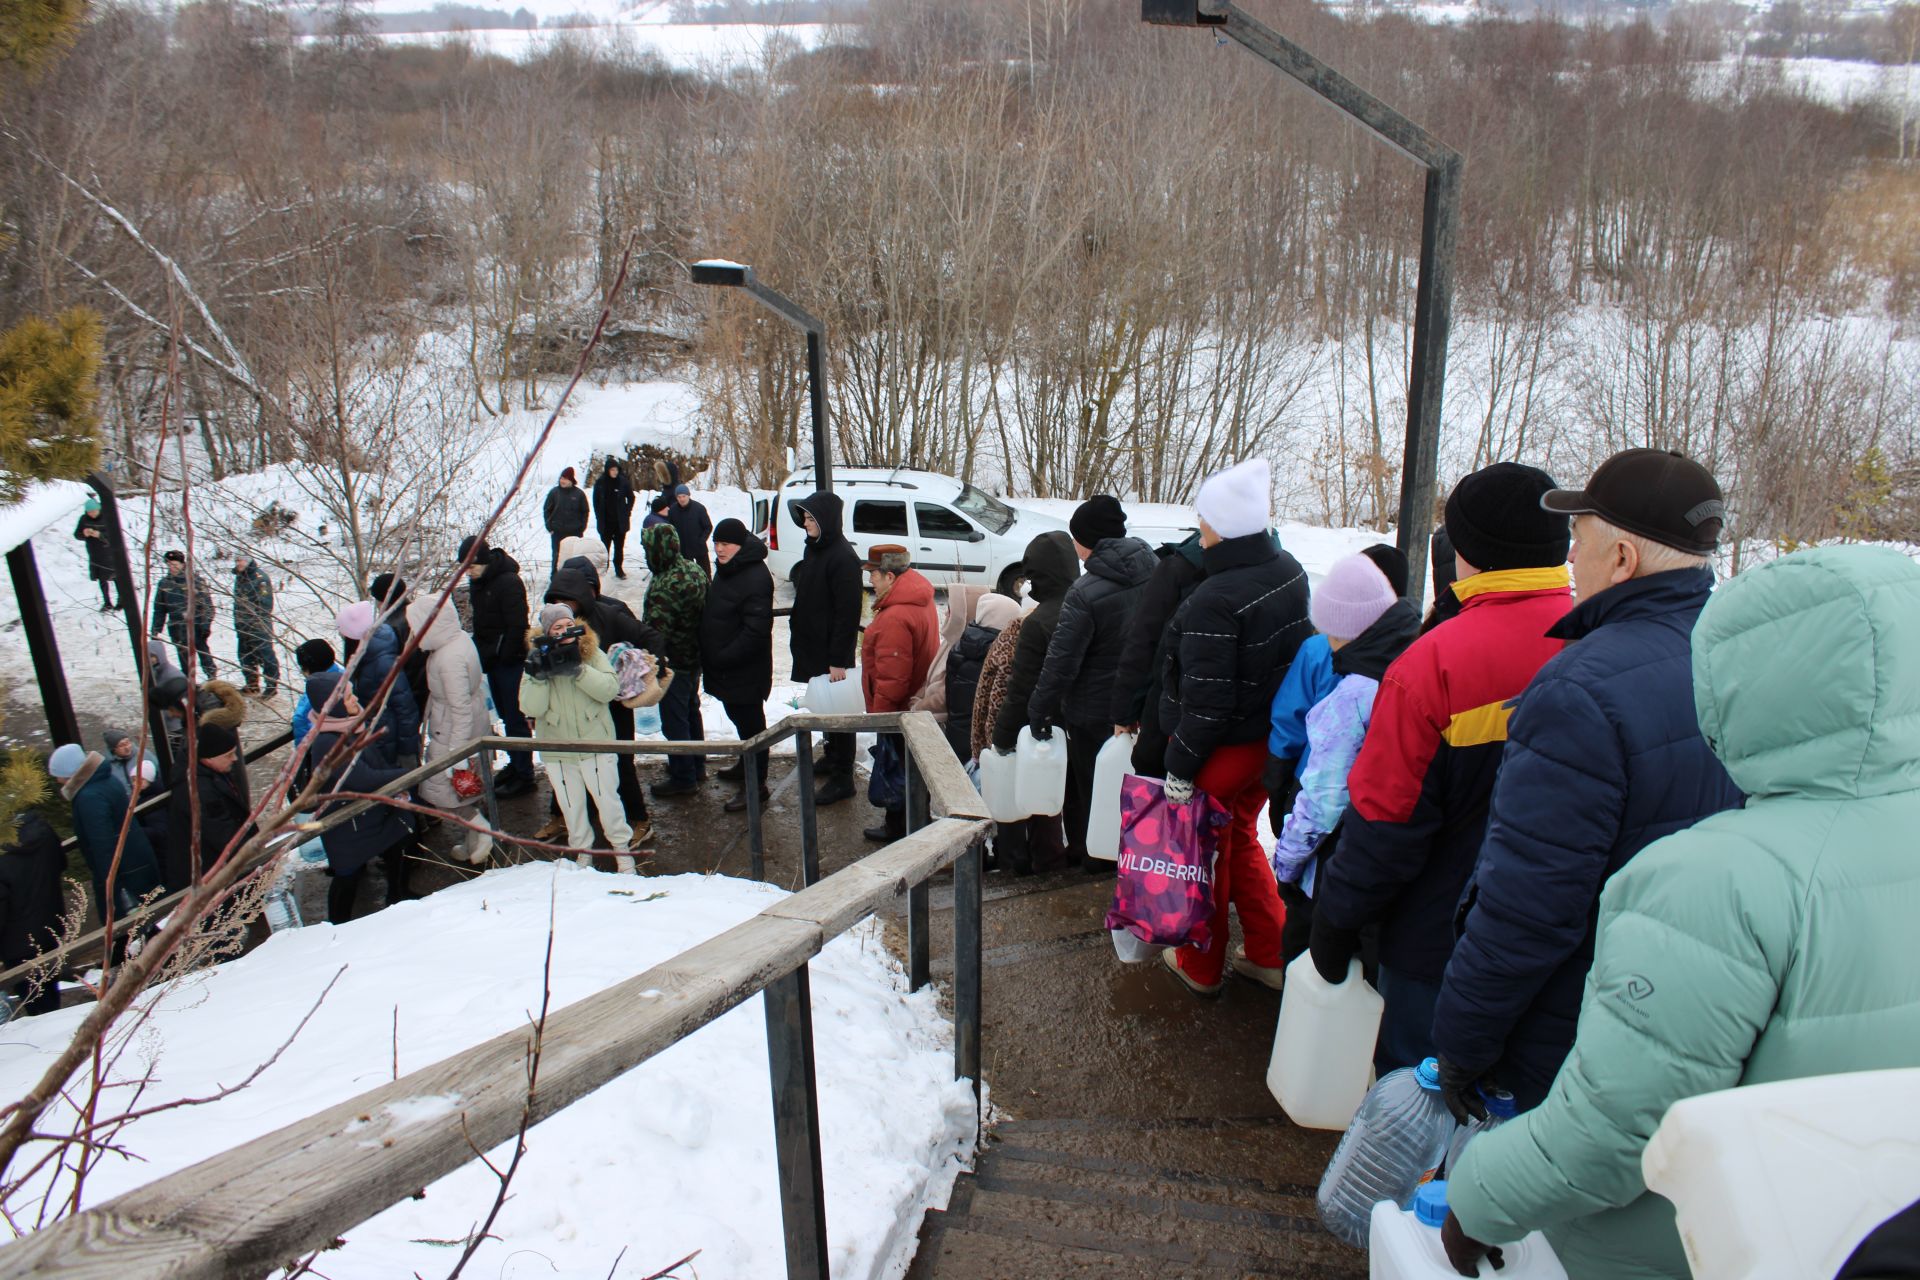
(1432, 316)
(919, 913)
(157, 740)
(817, 393)
(756, 836)
(796, 1124)
(809, 813)
(967, 871)
(38, 624)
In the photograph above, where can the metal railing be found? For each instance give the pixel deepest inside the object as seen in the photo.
(290, 1192)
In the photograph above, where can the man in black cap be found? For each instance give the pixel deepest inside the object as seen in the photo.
(499, 600)
(1420, 786)
(1604, 756)
(1075, 689)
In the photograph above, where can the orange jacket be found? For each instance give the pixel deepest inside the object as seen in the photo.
(897, 651)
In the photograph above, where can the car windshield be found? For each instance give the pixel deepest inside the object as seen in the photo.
(985, 508)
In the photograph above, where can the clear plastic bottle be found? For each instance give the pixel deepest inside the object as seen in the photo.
(280, 909)
(1500, 1109)
(1396, 1142)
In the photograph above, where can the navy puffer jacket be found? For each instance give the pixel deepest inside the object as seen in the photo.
(1604, 756)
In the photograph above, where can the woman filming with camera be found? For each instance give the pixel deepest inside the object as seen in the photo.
(564, 693)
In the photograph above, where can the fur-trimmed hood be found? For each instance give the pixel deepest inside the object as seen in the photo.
(220, 702)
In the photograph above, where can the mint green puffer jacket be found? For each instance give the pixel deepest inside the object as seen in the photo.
(1765, 943)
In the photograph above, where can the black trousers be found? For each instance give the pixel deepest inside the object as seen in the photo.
(839, 755)
(202, 645)
(1027, 847)
(257, 658)
(632, 797)
(748, 719)
(1083, 748)
(616, 540)
(344, 890)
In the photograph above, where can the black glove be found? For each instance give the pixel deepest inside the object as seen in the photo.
(1460, 1090)
(1463, 1251)
(538, 665)
(1333, 948)
(1042, 731)
(1278, 781)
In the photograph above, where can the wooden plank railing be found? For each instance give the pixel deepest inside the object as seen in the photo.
(248, 1210)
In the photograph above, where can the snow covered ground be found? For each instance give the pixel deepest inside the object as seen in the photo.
(676, 1155)
(710, 50)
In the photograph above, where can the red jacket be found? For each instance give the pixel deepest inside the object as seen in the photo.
(1424, 776)
(897, 651)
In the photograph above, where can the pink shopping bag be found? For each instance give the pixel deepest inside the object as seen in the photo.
(1164, 894)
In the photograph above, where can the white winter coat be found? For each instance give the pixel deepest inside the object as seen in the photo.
(456, 709)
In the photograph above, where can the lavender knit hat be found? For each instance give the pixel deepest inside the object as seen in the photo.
(1350, 598)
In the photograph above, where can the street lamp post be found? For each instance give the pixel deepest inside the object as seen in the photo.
(737, 275)
(1439, 223)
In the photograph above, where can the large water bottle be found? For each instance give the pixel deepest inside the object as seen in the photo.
(1110, 769)
(1041, 786)
(1500, 1109)
(1323, 1045)
(1396, 1142)
(1404, 1244)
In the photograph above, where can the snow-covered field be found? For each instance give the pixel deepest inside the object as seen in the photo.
(711, 50)
(676, 1155)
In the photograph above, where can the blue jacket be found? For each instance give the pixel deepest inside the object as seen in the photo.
(402, 714)
(1604, 756)
(303, 710)
(1309, 680)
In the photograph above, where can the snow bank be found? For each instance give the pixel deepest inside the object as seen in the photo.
(676, 1155)
(41, 507)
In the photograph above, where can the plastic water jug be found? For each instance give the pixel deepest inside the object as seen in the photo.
(1500, 1109)
(999, 776)
(1323, 1046)
(1397, 1140)
(1041, 787)
(1404, 1244)
(1110, 769)
(1786, 1179)
(829, 697)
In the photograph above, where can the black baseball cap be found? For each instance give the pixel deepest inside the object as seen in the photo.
(1656, 493)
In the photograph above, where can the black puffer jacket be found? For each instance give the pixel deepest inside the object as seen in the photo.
(566, 510)
(612, 505)
(963, 681)
(30, 890)
(1229, 647)
(736, 630)
(826, 594)
(1136, 685)
(1076, 684)
(223, 815)
(499, 611)
(578, 583)
(1052, 568)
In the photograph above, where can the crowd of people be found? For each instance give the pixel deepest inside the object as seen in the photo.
(1603, 834)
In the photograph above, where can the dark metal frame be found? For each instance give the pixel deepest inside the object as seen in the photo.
(1439, 227)
(738, 276)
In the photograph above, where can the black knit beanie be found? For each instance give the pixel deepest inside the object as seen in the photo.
(1495, 520)
(731, 531)
(1097, 519)
(314, 656)
(1388, 560)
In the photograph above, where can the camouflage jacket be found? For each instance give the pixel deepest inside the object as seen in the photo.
(676, 596)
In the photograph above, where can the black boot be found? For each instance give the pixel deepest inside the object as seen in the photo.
(836, 788)
(735, 772)
(894, 827)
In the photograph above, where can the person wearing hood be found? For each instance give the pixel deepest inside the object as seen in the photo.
(32, 902)
(169, 614)
(498, 598)
(1228, 648)
(965, 664)
(99, 808)
(824, 632)
(1604, 756)
(895, 655)
(253, 627)
(1419, 790)
(456, 714)
(676, 598)
(1075, 688)
(102, 566)
(568, 687)
(613, 512)
(1764, 943)
(379, 831)
(577, 585)
(1363, 625)
(565, 511)
(695, 526)
(219, 799)
(359, 622)
(932, 697)
(1136, 682)
(736, 642)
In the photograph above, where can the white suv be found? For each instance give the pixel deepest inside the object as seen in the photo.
(957, 533)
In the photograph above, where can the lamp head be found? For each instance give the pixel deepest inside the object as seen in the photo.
(721, 272)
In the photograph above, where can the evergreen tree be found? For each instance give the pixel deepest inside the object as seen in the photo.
(34, 32)
(48, 427)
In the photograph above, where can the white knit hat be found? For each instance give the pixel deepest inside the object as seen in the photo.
(1239, 500)
(1350, 598)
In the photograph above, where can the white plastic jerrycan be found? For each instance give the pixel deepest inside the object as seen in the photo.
(1110, 769)
(1041, 788)
(1323, 1046)
(1787, 1179)
(829, 697)
(999, 776)
(1404, 1244)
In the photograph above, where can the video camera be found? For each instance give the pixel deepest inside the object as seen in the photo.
(556, 655)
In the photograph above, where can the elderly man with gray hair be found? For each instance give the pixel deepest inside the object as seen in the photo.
(1604, 756)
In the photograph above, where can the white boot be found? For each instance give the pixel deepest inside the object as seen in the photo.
(584, 861)
(479, 846)
(623, 863)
